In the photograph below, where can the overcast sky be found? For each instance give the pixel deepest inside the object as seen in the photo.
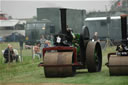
(27, 8)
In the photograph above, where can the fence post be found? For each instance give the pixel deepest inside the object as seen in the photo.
(21, 48)
(32, 53)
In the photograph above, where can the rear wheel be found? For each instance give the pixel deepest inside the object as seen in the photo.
(84, 39)
(93, 56)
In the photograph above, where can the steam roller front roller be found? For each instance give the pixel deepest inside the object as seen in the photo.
(61, 64)
(93, 56)
(118, 65)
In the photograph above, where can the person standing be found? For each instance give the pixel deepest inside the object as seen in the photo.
(42, 42)
(95, 37)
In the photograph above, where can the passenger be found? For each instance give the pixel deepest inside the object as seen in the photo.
(9, 54)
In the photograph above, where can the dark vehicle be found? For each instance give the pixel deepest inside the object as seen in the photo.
(71, 51)
(14, 37)
(35, 29)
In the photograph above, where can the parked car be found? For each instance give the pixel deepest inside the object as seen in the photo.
(14, 37)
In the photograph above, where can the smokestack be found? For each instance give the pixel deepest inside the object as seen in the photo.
(63, 20)
(124, 28)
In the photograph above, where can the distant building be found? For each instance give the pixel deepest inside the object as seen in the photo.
(106, 28)
(10, 27)
(3, 16)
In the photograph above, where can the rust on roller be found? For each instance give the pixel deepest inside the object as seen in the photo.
(118, 65)
(58, 58)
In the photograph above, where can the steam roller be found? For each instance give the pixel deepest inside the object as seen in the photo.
(71, 51)
(118, 61)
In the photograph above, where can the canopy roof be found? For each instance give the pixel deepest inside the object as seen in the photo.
(8, 23)
(101, 18)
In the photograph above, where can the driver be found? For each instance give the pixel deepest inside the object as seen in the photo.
(70, 35)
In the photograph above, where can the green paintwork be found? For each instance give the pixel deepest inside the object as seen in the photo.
(76, 42)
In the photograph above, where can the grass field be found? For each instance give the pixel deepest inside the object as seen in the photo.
(28, 72)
